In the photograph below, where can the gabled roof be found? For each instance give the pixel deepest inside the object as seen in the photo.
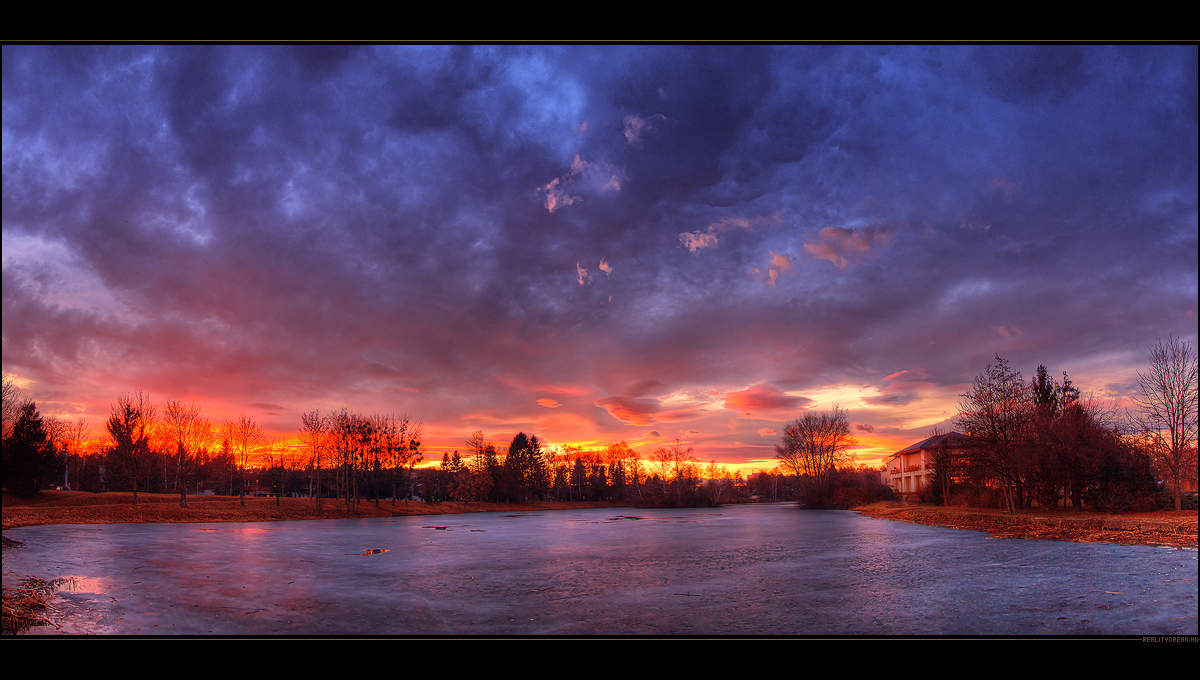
(954, 439)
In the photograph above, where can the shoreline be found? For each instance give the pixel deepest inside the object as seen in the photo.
(1170, 529)
(1164, 528)
(77, 507)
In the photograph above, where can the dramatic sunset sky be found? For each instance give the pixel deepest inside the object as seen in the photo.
(593, 243)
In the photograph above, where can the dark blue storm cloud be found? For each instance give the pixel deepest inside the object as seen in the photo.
(461, 230)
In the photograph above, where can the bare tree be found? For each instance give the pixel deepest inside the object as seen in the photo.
(76, 440)
(187, 433)
(313, 430)
(620, 457)
(12, 404)
(245, 438)
(813, 447)
(483, 459)
(130, 427)
(1166, 410)
(997, 414)
(59, 432)
(717, 484)
(677, 470)
(280, 462)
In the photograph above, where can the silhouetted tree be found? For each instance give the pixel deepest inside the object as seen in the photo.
(397, 434)
(188, 433)
(525, 471)
(483, 460)
(245, 438)
(73, 447)
(29, 452)
(813, 447)
(996, 415)
(944, 469)
(1166, 411)
(130, 426)
(12, 404)
(313, 430)
(675, 472)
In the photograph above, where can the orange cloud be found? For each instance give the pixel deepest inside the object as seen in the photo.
(846, 247)
(763, 398)
(635, 411)
(695, 240)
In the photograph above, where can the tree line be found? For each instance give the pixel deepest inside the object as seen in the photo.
(531, 471)
(142, 448)
(1042, 442)
(1038, 441)
(343, 457)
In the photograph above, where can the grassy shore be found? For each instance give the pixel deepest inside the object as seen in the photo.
(1164, 527)
(79, 507)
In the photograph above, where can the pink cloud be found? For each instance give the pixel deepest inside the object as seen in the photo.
(707, 238)
(763, 398)
(634, 411)
(846, 247)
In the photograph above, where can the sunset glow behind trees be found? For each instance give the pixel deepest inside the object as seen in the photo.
(665, 246)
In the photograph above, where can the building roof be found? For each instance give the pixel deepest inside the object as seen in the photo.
(954, 439)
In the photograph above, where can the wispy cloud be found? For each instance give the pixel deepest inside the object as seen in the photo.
(764, 398)
(636, 127)
(635, 411)
(847, 247)
(583, 176)
(707, 238)
(556, 195)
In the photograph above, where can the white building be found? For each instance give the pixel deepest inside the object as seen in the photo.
(910, 468)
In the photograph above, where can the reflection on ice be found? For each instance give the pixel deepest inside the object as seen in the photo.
(747, 570)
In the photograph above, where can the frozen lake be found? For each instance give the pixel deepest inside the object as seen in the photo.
(742, 570)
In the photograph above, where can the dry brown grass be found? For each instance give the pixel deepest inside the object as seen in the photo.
(27, 606)
(1163, 527)
(79, 507)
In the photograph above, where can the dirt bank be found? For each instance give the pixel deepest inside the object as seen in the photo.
(78, 507)
(1169, 528)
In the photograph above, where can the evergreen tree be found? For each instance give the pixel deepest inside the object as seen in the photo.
(29, 453)
(526, 473)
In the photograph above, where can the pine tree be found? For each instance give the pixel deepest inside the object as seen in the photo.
(29, 453)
